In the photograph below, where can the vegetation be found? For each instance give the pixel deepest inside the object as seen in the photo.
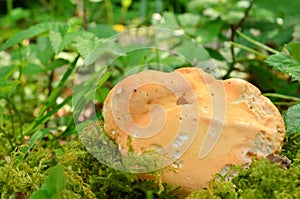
(44, 43)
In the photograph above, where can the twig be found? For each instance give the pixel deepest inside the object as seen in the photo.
(84, 18)
(233, 30)
(232, 39)
(240, 23)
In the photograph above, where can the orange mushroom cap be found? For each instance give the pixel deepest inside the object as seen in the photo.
(201, 123)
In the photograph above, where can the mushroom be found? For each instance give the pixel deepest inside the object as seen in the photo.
(202, 124)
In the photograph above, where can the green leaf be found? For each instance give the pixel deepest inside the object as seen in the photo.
(209, 31)
(7, 71)
(84, 42)
(278, 8)
(294, 50)
(44, 53)
(292, 119)
(267, 80)
(170, 20)
(56, 41)
(34, 31)
(57, 63)
(189, 19)
(32, 69)
(20, 36)
(53, 185)
(38, 135)
(54, 26)
(215, 54)
(102, 30)
(232, 15)
(285, 64)
(7, 87)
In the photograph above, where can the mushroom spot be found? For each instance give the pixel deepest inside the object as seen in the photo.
(181, 101)
(149, 101)
(119, 90)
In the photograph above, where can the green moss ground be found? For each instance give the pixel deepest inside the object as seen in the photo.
(87, 178)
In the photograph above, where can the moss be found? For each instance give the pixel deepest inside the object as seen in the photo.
(261, 180)
(291, 148)
(266, 180)
(86, 177)
(105, 182)
(19, 177)
(217, 189)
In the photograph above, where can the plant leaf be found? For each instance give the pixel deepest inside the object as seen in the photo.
(209, 31)
(56, 41)
(285, 64)
(54, 26)
(32, 69)
(20, 36)
(7, 88)
(57, 63)
(34, 31)
(84, 42)
(294, 50)
(38, 135)
(43, 52)
(53, 185)
(292, 119)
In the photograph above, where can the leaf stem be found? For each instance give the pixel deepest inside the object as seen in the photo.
(55, 93)
(267, 48)
(285, 103)
(42, 117)
(110, 14)
(281, 96)
(248, 49)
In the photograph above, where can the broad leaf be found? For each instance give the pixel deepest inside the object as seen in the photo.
(267, 80)
(57, 63)
(53, 185)
(102, 30)
(54, 26)
(20, 36)
(209, 31)
(292, 119)
(33, 32)
(294, 50)
(7, 88)
(43, 51)
(83, 41)
(56, 41)
(32, 69)
(285, 64)
(7, 71)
